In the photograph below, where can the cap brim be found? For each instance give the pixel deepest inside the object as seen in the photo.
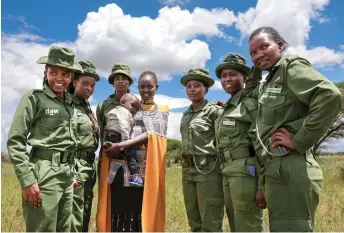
(234, 66)
(95, 76)
(186, 78)
(76, 66)
(110, 78)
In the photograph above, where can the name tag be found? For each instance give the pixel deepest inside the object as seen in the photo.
(51, 111)
(274, 89)
(228, 121)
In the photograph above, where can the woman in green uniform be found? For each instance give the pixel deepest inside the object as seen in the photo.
(82, 88)
(201, 174)
(235, 137)
(45, 120)
(296, 106)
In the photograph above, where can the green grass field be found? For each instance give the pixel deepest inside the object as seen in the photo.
(330, 214)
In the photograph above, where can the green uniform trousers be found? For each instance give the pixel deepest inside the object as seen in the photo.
(203, 197)
(55, 184)
(292, 188)
(239, 188)
(83, 197)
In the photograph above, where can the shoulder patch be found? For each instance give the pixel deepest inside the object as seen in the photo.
(250, 104)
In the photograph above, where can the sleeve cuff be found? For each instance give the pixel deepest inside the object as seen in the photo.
(299, 145)
(27, 180)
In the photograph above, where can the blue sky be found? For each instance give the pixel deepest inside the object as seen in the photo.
(166, 36)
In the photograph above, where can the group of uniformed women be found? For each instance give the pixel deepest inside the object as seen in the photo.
(253, 152)
(247, 154)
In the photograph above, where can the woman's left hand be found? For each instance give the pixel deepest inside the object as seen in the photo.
(282, 137)
(112, 149)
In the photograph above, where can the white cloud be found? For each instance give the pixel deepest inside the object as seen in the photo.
(217, 85)
(320, 57)
(291, 18)
(294, 25)
(341, 46)
(165, 44)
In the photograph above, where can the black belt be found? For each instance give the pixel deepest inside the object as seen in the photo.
(188, 161)
(231, 155)
(65, 156)
(85, 155)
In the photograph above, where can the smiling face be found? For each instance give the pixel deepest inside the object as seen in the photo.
(84, 87)
(195, 90)
(264, 51)
(232, 81)
(147, 87)
(58, 78)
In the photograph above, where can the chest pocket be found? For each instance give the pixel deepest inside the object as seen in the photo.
(50, 126)
(84, 125)
(201, 127)
(228, 127)
(269, 104)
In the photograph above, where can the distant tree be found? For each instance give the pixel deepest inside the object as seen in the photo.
(335, 131)
(4, 157)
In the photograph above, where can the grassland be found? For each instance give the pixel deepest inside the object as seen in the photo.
(330, 214)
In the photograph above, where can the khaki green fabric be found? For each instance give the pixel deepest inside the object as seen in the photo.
(89, 69)
(197, 130)
(203, 197)
(203, 194)
(292, 189)
(85, 170)
(120, 68)
(61, 56)
(55, 183)
(239, 189)
(234, 131)
(44, 121)
(297, 97)
(292, 93)
(41, 120)
(83, 196)
(197, 74)
(233, 61)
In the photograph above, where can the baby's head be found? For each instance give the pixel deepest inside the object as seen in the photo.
(130, 102)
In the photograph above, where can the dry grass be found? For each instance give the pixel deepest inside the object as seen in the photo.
(330, 214)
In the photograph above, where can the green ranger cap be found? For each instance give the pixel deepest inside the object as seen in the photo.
(199, 75)
(235, 62)
(61, 56)
(120, 68)
(89, 70)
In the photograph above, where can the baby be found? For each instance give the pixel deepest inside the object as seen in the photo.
(119, 127)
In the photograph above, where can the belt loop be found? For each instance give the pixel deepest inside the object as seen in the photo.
(56, 160)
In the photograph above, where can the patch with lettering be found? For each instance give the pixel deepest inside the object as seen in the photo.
(274, 88)
(228, 121)
(51, 111)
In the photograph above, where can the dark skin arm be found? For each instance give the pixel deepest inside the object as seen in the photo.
(113, 149)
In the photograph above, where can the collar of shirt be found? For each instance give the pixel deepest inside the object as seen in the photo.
(235, 100)
(200, 108)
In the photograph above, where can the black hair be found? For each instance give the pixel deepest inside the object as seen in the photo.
(151, 73)
(273, 34)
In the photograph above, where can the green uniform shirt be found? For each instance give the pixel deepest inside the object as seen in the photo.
(198, 131)
(102, 109)
(235, 126)
(298, 98)
(41, 120)
(86, 138)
